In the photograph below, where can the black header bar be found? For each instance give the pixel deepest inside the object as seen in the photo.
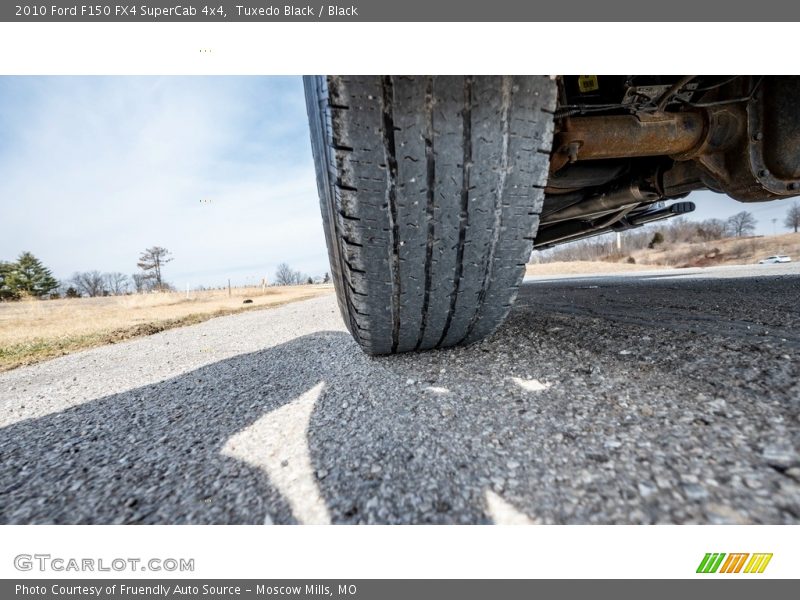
(409, 11)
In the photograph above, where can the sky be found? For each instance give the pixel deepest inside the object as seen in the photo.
(711, 205)
(93, 170)
(218, 170)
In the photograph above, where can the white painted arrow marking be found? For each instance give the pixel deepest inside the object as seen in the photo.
(277, 443)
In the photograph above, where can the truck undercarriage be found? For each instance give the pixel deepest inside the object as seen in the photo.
(623, 145)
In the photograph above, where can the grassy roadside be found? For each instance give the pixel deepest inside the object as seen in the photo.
(727, 251)
(34, 331)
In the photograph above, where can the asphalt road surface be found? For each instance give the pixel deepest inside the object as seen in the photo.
(669, 397)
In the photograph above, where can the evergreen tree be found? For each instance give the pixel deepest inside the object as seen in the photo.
(6, 270)
(29, 276)
(658, 238)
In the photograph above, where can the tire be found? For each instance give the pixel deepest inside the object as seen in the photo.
(430, 190)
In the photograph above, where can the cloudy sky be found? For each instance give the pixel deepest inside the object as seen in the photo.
(217, 169)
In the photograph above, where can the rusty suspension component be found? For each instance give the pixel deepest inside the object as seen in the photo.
(626, 136)
(742, 139)
(624, 197)
(746, 147)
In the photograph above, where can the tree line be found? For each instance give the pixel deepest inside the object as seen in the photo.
(285, 275)
(675, 230)
(28, 277)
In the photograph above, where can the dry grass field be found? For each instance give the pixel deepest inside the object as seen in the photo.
(34, 330)
(728, 251)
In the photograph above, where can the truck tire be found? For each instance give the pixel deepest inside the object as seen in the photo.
(430, 190)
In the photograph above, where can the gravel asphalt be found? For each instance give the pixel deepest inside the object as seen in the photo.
(664, 397)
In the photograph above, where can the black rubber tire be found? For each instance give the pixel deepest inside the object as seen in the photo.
(430, 189)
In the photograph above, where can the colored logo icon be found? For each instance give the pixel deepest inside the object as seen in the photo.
(719, 562)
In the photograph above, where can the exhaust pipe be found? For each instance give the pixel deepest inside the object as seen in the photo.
(576, 230)
(673, 210)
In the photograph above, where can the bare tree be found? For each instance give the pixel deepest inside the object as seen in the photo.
(793, 217)
(89, 283)
(285, 275)
(151, 261)
(711, 229)
(679, 229)
(116, 283)
(742, 223)
(140, 282)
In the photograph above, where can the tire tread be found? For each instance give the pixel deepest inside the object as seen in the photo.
(430, 190)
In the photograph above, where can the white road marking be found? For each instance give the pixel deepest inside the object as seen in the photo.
(277, 443)
(531, 385)
(502, 513)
